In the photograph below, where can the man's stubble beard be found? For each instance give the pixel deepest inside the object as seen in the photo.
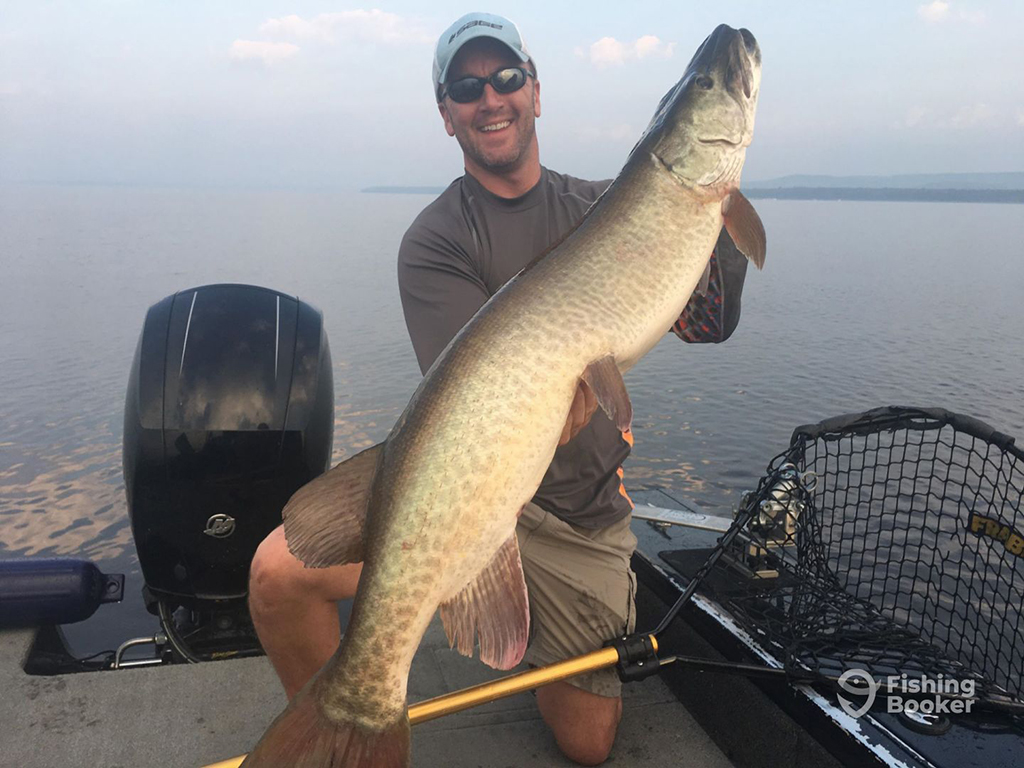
(511, 159)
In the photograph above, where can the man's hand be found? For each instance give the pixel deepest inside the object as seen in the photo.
(584, 403)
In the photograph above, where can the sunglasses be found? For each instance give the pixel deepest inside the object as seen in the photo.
(467, 89)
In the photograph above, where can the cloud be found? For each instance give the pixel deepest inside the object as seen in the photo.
(609, 52)
(291, 26)
(269, 53)
(934, 12)
(374, 26)
(973, 17)
(1020, 118)
(972, 115)
(938, 12)
(649, 45)
(967, 116)
(913, 118)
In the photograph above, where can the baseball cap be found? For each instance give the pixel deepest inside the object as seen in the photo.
(469, 27)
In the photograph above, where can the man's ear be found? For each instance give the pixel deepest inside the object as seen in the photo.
(536, 97)
(443, 109)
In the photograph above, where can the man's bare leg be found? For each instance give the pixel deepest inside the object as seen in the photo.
(584, 723)
(295, 611)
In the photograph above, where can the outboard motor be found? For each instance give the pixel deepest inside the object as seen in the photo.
(229, 411)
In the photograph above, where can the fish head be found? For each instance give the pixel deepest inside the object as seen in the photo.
(704, 124)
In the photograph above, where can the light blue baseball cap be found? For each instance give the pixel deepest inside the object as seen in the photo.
(469, 27)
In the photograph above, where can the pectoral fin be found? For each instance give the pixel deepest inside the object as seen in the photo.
(744, 227)
(493, 607)
(604, 378)
(324, 519)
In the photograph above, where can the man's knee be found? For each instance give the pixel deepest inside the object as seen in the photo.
(276, 576)
(271, 575)
(584, 724)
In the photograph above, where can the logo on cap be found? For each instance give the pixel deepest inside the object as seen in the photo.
(476, 23)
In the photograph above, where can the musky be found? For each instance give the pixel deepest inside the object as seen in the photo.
(270, 93)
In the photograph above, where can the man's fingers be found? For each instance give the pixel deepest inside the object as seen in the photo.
(584, 404)
(579, 405)
(566, 431)
(577, 414)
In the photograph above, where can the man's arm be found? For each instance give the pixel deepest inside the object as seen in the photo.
(440, 290)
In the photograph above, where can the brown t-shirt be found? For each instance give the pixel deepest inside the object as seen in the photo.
(458, 252)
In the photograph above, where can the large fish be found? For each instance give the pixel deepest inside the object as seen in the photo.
(441, 495)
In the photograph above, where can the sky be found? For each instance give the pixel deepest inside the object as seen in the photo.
(336, 95)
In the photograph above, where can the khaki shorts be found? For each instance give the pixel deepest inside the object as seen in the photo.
(582, 590)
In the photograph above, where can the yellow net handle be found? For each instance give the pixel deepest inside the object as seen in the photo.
(497, 689)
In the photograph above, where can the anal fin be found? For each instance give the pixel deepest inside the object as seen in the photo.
(603, 376)
(494, 608)
(324, 519)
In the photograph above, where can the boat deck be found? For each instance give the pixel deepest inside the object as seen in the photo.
(193, 715)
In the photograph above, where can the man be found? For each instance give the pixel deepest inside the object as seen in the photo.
(574, 538)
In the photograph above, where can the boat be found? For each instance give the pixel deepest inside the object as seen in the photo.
(230, 409)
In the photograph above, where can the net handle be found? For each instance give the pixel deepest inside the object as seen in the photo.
(900, 416)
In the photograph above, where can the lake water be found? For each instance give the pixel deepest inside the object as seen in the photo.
(859, 305)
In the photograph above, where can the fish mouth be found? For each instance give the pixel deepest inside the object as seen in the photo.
(720, 142)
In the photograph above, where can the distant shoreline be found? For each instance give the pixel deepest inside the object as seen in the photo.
(890, 194)
(404, 190)
(858, 194)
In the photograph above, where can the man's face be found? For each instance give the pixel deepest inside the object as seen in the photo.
(496, 130)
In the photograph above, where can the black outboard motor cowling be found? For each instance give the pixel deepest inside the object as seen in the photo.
(229, 411)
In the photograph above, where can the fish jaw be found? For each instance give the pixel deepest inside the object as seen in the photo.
(705, 122)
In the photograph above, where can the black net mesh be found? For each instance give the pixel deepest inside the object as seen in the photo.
(889, 541)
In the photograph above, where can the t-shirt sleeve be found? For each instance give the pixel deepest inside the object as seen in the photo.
(713, 317)
(440, 290)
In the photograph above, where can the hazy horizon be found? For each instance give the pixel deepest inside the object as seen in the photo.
(272, 94)
(1009, 180)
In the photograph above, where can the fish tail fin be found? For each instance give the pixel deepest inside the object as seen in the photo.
(304, 737)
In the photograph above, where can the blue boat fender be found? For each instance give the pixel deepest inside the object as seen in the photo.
(38, 591)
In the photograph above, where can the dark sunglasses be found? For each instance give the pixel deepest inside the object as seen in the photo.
(467, 89)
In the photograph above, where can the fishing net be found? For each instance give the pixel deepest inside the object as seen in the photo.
(892, 542)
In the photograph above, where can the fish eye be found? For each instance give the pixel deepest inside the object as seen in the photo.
(705, 82)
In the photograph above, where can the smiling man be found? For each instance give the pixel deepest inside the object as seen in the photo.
(574, 536)
(494, 126)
